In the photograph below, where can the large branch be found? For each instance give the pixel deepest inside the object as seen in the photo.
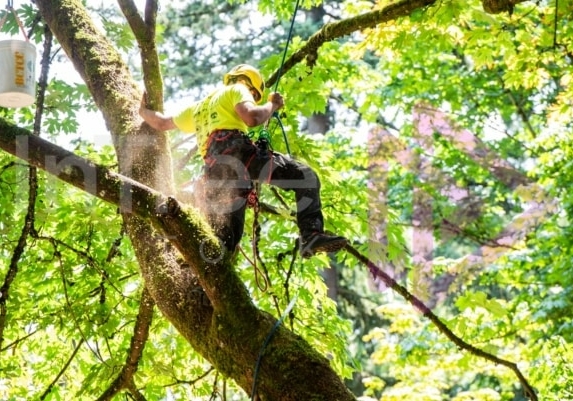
(390, 12)
(335, 30)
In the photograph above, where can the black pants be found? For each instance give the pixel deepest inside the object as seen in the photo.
(232, 162)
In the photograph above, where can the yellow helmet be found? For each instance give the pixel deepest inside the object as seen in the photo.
(250, 72)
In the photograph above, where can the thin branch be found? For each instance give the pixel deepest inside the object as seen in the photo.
(62, 371)
(113, 251)
(140, 335)
(191, 382)
(18, 341)
(129, 10)
(90, 261)
(520, 110)
(215, 391)
(441, 326)
(76, 322)
(43, 81)
(10, 165)
(281, 200)
(144, 31)
(11, 274)
(481, 240)
(151, 7)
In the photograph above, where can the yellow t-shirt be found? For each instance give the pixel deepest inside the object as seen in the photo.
(215, 112)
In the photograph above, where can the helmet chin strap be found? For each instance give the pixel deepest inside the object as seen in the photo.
(247, 82)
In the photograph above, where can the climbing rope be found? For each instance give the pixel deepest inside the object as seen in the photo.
(283, 131)
(10, 9)
(266, 343)
(279, 74)
(287, 44)
(261, 277)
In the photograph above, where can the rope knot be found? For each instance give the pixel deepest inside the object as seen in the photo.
(253, 200)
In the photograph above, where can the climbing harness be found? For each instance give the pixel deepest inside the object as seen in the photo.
(261, 277)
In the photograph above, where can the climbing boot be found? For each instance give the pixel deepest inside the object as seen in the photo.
(321, 242)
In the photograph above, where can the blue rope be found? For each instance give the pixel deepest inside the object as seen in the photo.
(266, 343)
(275, 114)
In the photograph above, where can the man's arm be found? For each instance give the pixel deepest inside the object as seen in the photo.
(254, 115)
(155, 119)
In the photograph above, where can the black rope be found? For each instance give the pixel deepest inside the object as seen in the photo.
(287, 44)
(279, 74)
(276, 116)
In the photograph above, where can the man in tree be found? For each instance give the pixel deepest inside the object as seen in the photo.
(233, 160)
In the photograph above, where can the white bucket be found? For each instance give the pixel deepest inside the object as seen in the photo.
(17, 73)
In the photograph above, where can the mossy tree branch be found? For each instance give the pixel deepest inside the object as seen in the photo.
(338, 29)
(390, 12)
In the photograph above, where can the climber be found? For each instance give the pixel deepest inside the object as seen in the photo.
(232, 160)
